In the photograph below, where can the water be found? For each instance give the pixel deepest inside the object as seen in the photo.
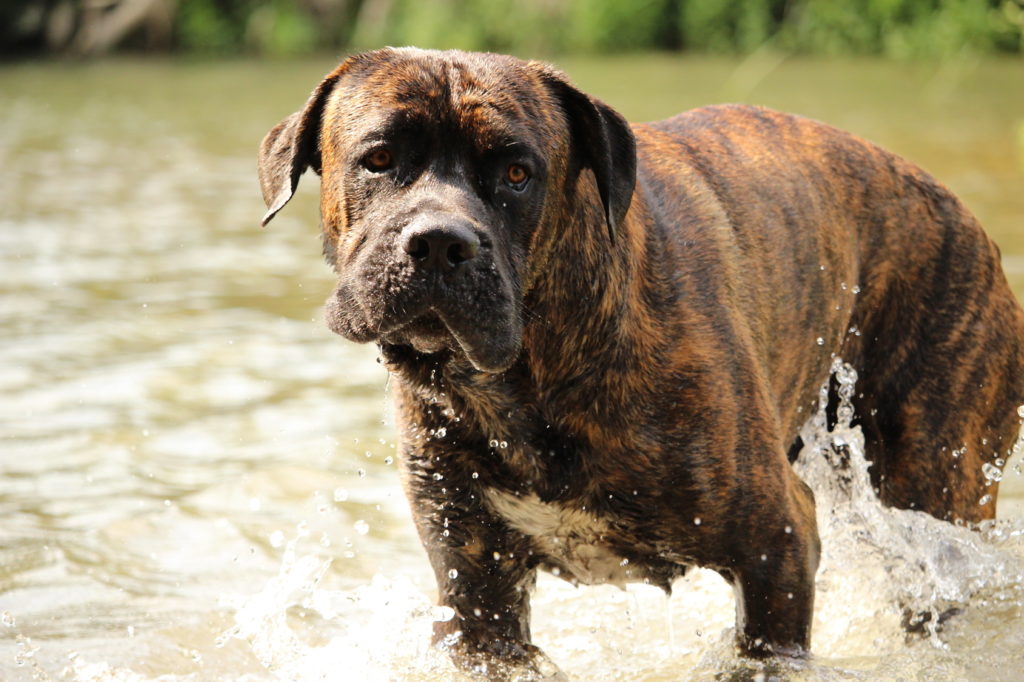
(198, 479)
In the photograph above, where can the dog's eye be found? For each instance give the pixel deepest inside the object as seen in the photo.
(378, 161)
(516, 176)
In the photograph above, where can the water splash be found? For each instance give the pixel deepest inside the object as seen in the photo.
(881, 566)
(377, 631)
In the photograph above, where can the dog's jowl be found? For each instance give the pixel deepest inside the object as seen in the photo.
(605, 337)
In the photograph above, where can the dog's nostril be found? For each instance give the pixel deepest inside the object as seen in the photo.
(418, 248)
(461, 251)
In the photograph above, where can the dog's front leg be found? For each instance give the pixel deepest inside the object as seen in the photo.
(484, 570)
(774, 579)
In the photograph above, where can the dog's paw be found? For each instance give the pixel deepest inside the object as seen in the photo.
(507, 662)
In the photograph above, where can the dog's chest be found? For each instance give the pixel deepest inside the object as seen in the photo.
(572, 540)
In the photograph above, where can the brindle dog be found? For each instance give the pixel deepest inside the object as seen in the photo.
(605, 338)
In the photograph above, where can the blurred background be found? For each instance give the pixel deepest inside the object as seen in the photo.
(198, 480)
(894, 28)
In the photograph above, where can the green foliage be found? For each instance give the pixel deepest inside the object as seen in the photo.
(281, 29)
(900, 28)
(896, 28)
(613, 25)
(728, 25)
(528, 25)
(207, 26)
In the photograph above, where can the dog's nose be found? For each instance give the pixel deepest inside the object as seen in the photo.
(440, 247)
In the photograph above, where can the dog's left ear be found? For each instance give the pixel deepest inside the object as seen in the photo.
(603, 140)
(292, 146)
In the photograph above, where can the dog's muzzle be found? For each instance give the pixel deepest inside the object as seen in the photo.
(434, 285)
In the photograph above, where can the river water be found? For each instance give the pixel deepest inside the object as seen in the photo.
(196, 477)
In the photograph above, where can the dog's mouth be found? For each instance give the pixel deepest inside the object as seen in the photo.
(488, 349)
(476, 320)
(425, 334)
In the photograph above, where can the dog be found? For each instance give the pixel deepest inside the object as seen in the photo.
(605, 338)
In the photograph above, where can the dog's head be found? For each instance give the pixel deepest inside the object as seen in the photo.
(441, 172)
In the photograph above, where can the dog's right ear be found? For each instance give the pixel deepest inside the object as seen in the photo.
(292, 146)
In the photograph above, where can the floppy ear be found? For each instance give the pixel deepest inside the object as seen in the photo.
(604, 142)
(291, 146)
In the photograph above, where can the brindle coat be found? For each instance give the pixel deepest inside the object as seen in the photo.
(600, 370)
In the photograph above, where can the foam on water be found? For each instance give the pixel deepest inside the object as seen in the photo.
(878, 565)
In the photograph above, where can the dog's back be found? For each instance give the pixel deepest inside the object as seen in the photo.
(895, 276)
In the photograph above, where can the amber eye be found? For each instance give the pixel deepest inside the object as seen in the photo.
(378, 160)
(516, 175)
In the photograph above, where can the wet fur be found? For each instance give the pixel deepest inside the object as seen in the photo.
(662, 359)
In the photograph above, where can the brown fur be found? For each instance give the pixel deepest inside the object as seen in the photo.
(639, 334)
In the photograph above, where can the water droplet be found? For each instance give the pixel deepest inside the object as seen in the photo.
(475, 475)
(497, 556)
(442, 613)
(985, 499)
(453, 573)
(556, 571)
(340, 494)
(276, 539)
(438, 477)
(856, 289)
(764, 557)
(789, 595)
(441, 432)
(494, 443)
(821, 341)
(362, 527)
(789, 529)
(1020, 411)
(7, 619)
(361, 473)
(477, 612)
(503, 444)
(389, 459)
(992, 472)
(696, 521)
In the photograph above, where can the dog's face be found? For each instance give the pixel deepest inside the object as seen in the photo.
(441, 173)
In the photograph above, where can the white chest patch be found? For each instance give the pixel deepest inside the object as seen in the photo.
(571, 537)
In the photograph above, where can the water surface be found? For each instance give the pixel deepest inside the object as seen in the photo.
(196, 477)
